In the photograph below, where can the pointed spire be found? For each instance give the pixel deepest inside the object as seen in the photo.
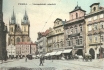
(77, 3)
(13, 10)
(25, 11)
(13, 18)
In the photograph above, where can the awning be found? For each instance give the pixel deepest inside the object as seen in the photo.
(59, 52)
(53, 53)
(67, 51)
(47, 54)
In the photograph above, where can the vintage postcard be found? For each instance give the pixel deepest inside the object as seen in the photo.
(51, 34)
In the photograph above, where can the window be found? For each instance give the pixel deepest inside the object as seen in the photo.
(94, 9)
(76, 42)
(80, 41)
(89, 28)
(101, 38)
(102, 15)
(101, 25)
(76, 15)
(71, 30)
(95, 38)
(95, 17)
(11, 29)
(72, 16)
(95, 26)
(18, 39)
(76, 30)
(89, 19)
(69, 43)
(81, 28)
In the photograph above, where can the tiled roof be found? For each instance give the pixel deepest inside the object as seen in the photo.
(44, 33)
(25, 43)
(101, 8)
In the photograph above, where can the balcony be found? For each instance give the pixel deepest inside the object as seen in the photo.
(102, 20)
(97, 31)
(95, 44)
(73, 35)
(79, 46)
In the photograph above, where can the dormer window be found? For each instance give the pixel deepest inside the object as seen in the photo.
(94, 9)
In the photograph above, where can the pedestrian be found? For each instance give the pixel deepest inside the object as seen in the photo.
(41, 61)
(26, 59)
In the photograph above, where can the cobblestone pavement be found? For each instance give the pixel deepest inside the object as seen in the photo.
(97, 64)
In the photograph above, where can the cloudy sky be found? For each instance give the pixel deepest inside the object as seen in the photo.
(43, 15)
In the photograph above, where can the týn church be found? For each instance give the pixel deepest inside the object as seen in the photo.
(19, 33)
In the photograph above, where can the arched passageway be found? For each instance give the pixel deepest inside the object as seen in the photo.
(92, 52)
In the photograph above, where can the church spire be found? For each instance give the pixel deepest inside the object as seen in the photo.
(13, 18)
(25, 18)
(77, 3)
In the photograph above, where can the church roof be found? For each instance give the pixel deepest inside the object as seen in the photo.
(77, 8)
(25, 43)
(13, 17)
(45, 33)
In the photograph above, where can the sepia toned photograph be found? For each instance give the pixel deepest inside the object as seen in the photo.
(51, 34)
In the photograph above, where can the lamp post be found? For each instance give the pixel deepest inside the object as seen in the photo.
(11, 51)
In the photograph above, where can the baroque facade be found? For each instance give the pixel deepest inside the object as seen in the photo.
(19, 33)
(25, 48)
(3, 31)
(11, 51)
(56, 36)
(95, 31)
(75, 31)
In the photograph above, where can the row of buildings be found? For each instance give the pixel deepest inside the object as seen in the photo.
(82, 33)
(22, 49)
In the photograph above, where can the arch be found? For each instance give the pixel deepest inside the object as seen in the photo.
(92, 52)
(79, 52)
(94, 8)
(18, 39)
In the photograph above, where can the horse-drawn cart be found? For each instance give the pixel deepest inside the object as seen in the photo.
(87, 57)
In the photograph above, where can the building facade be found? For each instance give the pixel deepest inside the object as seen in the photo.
(11, 51)
(75, 31)
(19, 33)
(55, 39)
(3, 31)
(25, 48)
(42, 42)
(95, 31)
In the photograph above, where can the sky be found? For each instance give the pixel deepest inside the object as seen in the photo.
(42, 17)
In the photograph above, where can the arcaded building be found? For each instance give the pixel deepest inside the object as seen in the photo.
(95, 31)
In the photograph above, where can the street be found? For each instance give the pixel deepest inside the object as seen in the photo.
(77, 64)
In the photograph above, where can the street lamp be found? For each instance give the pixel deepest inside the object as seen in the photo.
(11, 51)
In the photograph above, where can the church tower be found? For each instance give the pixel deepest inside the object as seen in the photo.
(3, 31)
(12, 26)
(16, 33)
(25, 24)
